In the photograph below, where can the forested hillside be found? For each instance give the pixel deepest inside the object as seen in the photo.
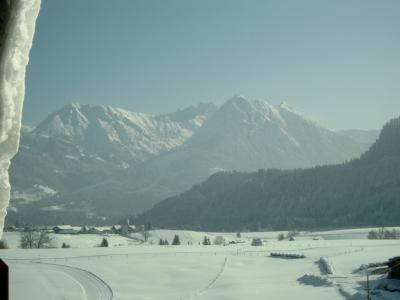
(363, 192)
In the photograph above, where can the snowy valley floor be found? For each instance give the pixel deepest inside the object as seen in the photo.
(131, 270)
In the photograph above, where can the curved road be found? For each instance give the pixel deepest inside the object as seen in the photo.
(52, 281)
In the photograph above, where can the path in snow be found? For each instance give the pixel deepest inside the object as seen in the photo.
(51, 281)
(211, 283)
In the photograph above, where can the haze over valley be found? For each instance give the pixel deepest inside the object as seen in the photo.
(81, 158)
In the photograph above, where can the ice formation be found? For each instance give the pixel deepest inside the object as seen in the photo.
(14, 58)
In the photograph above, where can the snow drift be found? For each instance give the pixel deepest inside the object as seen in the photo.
(14, 58)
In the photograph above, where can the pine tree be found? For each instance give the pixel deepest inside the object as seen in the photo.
(65, 245)
(104, 243)
(176, 240)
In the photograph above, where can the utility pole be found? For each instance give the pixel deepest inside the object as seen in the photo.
(368, 289)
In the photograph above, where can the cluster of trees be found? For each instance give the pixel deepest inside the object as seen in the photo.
(175, 241)
(65, 245)
(219, 240)
(206, 241)
(384, 234)
(163, 242)
(290, 235)
(362, 192)
(36, 239)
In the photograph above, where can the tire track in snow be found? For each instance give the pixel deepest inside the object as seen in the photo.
(112, 255)
(211, 283)
(93, 287)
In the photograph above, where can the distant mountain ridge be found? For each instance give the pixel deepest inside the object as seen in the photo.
(363, 192)
(115, 132)
(81, 158)
(257, 134)
(82, 145)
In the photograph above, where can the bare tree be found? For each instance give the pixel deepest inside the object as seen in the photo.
(35, 239)
(384, 234)
(292, 234)
(219, 240)
(27, 240)
(145, 233)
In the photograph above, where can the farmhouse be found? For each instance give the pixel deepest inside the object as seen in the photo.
(256, 242)
(94, 230)
(123, 229)
(115, 229)
(66, 229)
(90, 230)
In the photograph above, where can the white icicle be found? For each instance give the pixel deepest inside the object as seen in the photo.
(12, 88)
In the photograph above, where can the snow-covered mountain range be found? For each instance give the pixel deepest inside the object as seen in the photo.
(115, 133)
(100, 161)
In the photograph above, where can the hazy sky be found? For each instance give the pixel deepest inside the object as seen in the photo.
(336, 61)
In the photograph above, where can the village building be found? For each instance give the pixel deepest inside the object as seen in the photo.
(66, 229)
(256, 242)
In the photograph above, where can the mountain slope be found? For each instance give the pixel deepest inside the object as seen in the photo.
(247, 135)
(94, 156)
(363, 137)
(80, 145)
(242, 135)
(363, 192)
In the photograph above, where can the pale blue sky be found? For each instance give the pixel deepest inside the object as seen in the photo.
(337, 61)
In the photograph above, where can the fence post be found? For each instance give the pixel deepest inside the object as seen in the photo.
(368, 290)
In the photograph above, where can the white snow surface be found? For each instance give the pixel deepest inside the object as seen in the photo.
(130, 269)
(12, 88)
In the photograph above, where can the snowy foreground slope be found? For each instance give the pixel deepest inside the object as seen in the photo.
(238, 271)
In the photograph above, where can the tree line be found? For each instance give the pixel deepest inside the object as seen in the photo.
(384, 234)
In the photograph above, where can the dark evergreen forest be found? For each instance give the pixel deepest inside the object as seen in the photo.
(362, 192)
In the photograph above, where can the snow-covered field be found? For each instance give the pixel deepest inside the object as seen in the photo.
(130, 269)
